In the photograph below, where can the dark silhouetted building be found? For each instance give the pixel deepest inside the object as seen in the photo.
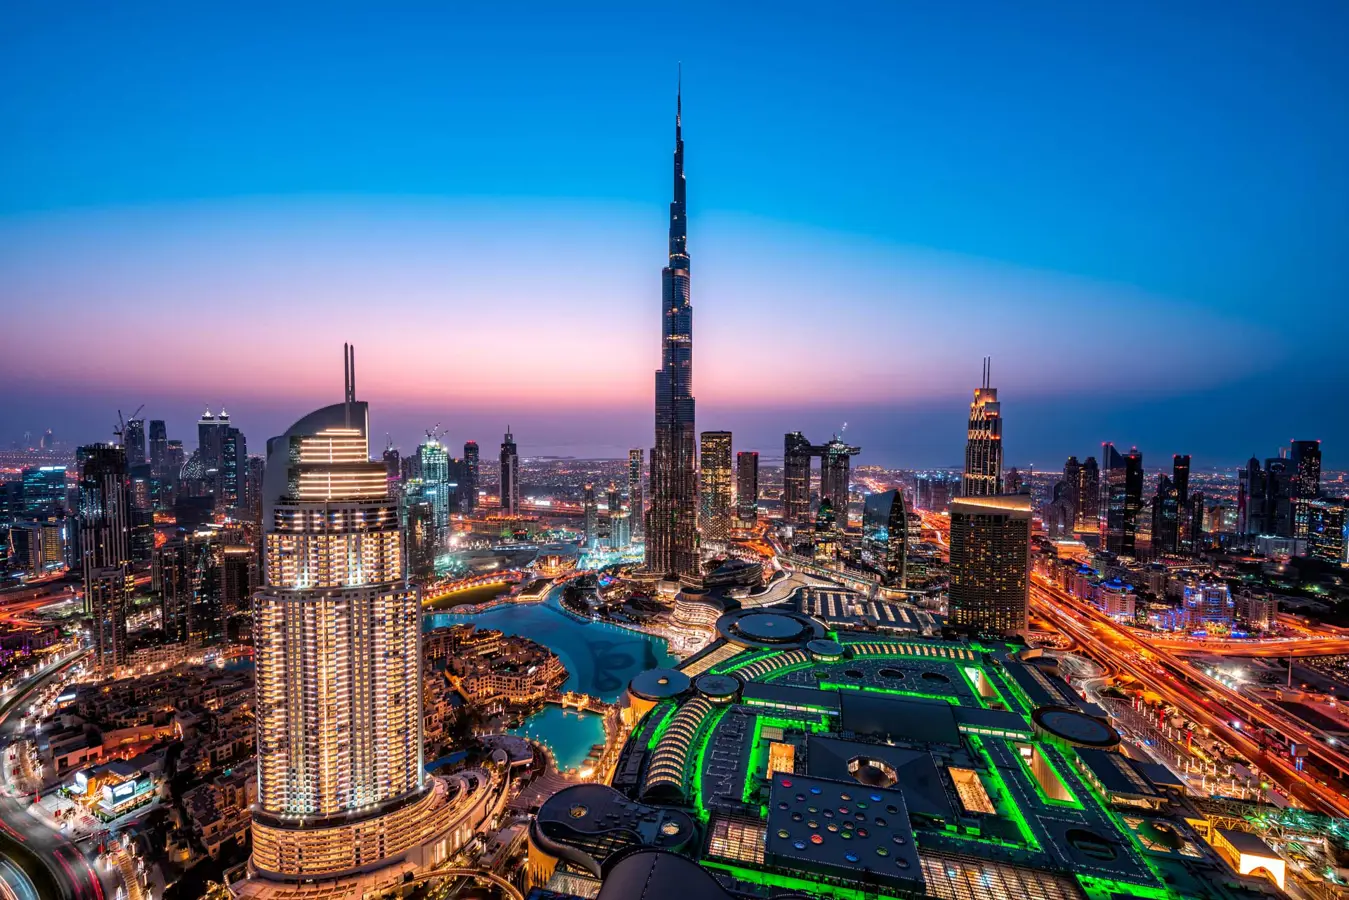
(796, 454)
(747, 488)
(510, 475)
(636, 501)
(990, 563)
(1123, 488)
(1306, 486)
(159, 445)
(1089, 496)
(591, 513)
(468, 483)
(1166, 517)
(836, 475)
(104, 517)
(133, 439)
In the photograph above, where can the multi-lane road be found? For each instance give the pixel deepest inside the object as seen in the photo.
(1234, 719)
(67, 869)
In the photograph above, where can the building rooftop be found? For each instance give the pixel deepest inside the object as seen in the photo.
(778, 763)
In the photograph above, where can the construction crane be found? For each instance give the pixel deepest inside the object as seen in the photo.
(120, 430)
(434, 433)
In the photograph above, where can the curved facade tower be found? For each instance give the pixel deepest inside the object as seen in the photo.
(337, 631)
(672, 524)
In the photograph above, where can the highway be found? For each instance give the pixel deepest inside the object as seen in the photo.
(1166, 676)
(23, 836)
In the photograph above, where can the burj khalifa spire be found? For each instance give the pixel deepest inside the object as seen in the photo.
(672, 526)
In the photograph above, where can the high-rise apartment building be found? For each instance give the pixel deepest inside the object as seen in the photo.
(672, 524)
(107, 593)
(983, 445)
(636, 499)
(341, 788)
(233, 468)
(510, 475)
(796, 454)
(393, 468)
(437, 487)
(990, 563)
(590, 512)
(468, 484)
(747, 488)
(43, 489)
(1328, 531)
(188, 576)
(717, 486)
(104, 515)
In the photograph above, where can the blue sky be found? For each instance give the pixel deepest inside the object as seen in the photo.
(1138, 210)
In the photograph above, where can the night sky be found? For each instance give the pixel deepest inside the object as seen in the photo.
(1140, 211)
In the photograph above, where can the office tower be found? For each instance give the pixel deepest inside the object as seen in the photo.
(238, 574)
(104, 512)
(620, 529)
(253, 488)
(1180, 479)
(1013, 481)
(1113, 491)
(983, 446)
(1166, 517)
(171, 574)
(747, 488)
(885, 536)
(43, 489)
(211, 431)
(468, 484)
(591, 518)
(1072, 486)
(107, 591)
(47, 441)
(142, 513)
(1089, 496)
(1250, 498)
(1278, 503)
(174, 458)
(1124, 488)
(1194, 516)
(188, 574)
(133, 439)
(716, 488)
(1058, 513)
(433, 462)
(672, 528)
(836, 476)
(990, 563)
(159, 445)
(510, 475)
(1305, 457)
(233, 467)
(636, 501)
(1328, 531)
(796, 454)
(337, 632)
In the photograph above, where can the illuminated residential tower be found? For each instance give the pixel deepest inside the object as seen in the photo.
(672, 524)
(717, 488)
(337, 632)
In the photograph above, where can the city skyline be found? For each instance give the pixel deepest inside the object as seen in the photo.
(455, 208)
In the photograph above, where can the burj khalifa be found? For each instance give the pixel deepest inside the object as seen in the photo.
(672, 524)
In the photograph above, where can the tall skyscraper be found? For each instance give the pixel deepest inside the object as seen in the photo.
(107, 592)
(836, 476)
(672, 525)
(990, 563)
(133, 439)
(1072, 486)
(796, 454)
(885, 536)
(591, 518)
(1306, 460)
(1166, 517)
(104, 515)
(211, 447)
(188, 577)
(636, 499)
(1124, 500)
(159, 445)
(393, 468)
(233, 467)
(510, 475)
(44, 491)
(434, 464)
(337, 631)
(468, 484)
(983, 445)
(1180, 478)
(747, 488)
(1089, 496)
(716, 489)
